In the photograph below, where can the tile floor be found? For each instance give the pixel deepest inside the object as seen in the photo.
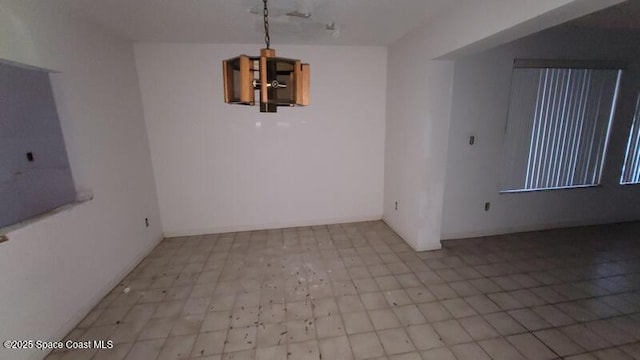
(357, 291)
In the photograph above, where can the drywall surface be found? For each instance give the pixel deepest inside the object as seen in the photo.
(53, 271)
(418, 98)
(479, 108)
(221, 167)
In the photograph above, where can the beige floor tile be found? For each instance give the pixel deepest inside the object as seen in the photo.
(407, 356)
(372, 301)
(532, 348)
(504, 323)
(632, 350)
(187, 325)
(324, 307)
(156, 328)
(330, 326)
(584, 337)
(300, 310)
(301, 330)
(209, 343)
(148, 349)
(383, 319)
(505, 301)
(451, 332)
(271, 353)
(529, 319)
(366, 346)
(395, 341)
(612, 354)
(458, 308)
(434, 311)
(582, 357)
(350, 303)
(240, 339)
(386, 283)
(420, 295)
(366, 285)
(126, 332)
(240, 355)
(357, 322)
(118, 352)
(308, 350)
(609, 332)
(482, 304)
(104, 332)
(168, 309)
(217, 320)
(397, 297)
(409, 315)
(442, 291)
(553, 315)
(112, 316)
(560, 343)
(271, 335)
(424, 337)
(84, 354)
(500, 349)
(177, 347)
(438, 354)
(469, 351)
(358, 291)
(464, 288)
(478, 328)
(336, 348)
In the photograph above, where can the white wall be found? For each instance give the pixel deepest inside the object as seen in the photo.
(479, 108)
(54, 271)
(221, 167)
(418, 98)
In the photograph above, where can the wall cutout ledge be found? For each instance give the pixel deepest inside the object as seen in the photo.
(27, 222)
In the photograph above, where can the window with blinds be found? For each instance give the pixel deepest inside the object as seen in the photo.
(631, 166)
(558, 124)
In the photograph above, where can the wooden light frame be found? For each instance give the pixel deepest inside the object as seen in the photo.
(241, 91)
(281, 81)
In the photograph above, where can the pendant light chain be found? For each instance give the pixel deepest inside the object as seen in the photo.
(266, 74)
(267, 39)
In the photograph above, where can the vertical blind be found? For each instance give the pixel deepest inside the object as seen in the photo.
(558, 126)
(631, 166)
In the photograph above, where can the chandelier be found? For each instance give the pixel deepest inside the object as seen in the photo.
(280, 81)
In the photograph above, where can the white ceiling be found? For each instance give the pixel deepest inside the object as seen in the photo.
(625, 16)
(361, 22)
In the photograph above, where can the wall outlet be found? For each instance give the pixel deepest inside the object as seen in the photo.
(396, 206)
(146, 222)
(487, 206)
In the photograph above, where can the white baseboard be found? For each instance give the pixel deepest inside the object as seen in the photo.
(251, 227)
(527, 228)
(415, 248)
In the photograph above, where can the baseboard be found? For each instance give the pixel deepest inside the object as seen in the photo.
(413, 246)
(428, 248)
(251, 227)
(527, 228)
